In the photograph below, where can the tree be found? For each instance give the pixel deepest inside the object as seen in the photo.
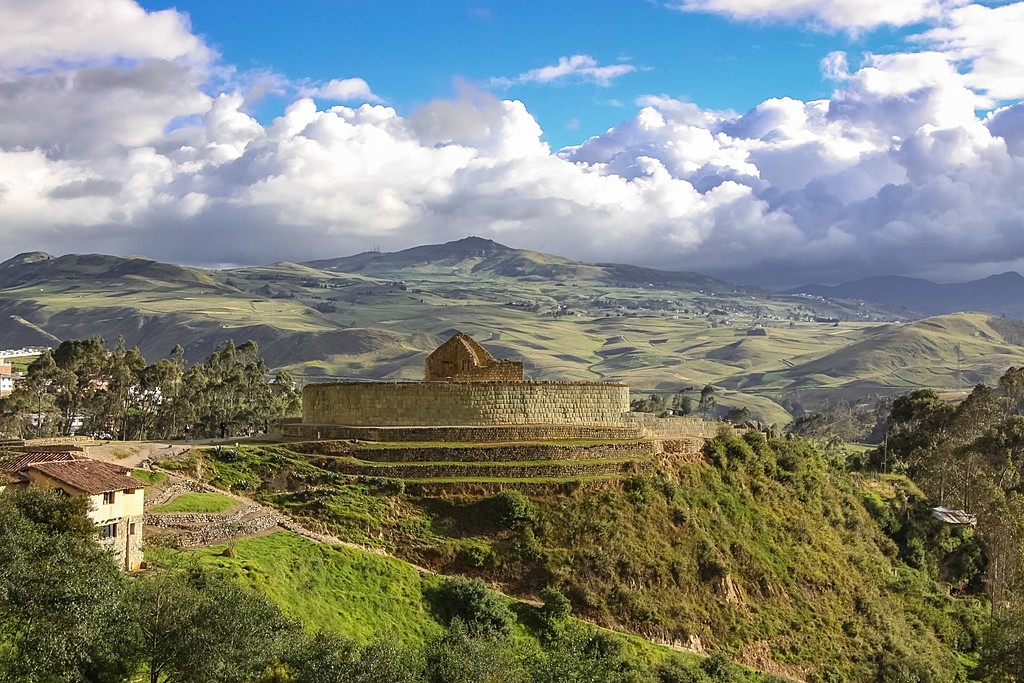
(707, 402)
(1002, 653)
(329, 658)
(201, 627)
(229, 387)
(579, 654)
(64, 613)
(462, 656)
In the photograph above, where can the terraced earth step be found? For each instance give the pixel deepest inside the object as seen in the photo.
(489, 485)
(500, 470)
(516, 452)
(464, 434)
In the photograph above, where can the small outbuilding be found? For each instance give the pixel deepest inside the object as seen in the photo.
(462, 359)
(954, 517)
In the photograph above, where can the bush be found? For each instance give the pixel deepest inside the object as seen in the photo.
(640, 491)
(479, 608)
(720, 668)
(512, 509)
(556, 608)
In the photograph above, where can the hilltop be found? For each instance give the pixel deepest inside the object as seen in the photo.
(376, 316)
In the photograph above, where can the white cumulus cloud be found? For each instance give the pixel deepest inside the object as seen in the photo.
(578, 67)
(346, 90)
(845, 15)
(128, 148)
(988, 39)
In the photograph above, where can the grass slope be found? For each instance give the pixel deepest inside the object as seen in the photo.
(769, 552)
(197, 502)
(360, 594)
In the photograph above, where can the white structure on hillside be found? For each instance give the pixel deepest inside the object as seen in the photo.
(115, 497)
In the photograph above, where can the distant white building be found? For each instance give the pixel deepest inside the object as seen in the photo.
(6, 379)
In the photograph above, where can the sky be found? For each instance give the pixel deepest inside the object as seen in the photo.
(773, 142)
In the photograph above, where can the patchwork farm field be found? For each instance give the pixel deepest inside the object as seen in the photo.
(377, 316)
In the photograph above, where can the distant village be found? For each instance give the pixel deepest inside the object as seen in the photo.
(9, 379)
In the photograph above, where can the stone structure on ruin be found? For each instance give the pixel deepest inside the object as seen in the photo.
(467, 395)
(462, 359)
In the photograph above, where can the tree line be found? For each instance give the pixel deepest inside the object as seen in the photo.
(84, 387)
(67, 615)
(970, 456)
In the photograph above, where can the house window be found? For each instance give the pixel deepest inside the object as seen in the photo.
(108, 498)
(131, 529)
(109, 530)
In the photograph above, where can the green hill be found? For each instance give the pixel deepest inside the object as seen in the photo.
(765, 550)
(376, 315)
(895, 358)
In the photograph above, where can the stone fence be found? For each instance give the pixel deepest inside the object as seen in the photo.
(655, 427)
(483, 453)
(450, 470)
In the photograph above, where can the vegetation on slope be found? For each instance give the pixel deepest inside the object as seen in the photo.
(78, 619)
(770, 551)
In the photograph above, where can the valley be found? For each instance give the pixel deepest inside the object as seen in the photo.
(377, 315)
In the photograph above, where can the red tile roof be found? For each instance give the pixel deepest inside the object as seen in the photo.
(90, 476)
(33, 457)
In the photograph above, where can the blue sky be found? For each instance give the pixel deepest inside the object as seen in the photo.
(773, 142)
(411, 52)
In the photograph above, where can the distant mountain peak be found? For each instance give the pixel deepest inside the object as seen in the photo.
(1000, 294)
(27, 257)
(474, 244)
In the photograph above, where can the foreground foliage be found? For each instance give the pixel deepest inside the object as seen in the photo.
(768, 550)
(68, 615)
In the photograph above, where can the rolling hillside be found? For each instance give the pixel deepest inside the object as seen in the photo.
(377, 315)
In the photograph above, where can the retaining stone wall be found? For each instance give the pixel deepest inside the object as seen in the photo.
(655, 427)
(509, 453)
(478, 434)
(410, 404)
(450, 470)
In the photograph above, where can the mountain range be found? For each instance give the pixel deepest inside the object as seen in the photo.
(1001, 294)
(377, 315)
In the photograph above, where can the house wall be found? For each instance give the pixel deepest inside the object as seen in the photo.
(127, 509)
(405, 404)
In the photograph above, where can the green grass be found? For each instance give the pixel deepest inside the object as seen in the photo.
(20, 363)
(198, 502)
(149, 476)
(357, 593)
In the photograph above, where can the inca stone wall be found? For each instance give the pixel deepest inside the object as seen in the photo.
(499, 371)
(466, 434)
(407, 404)
(462, 359)
(655, 427)
(505, 453)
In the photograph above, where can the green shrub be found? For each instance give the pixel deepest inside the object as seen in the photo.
(556, 608)
(721, 669)
(471, 602)
(513, 509)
